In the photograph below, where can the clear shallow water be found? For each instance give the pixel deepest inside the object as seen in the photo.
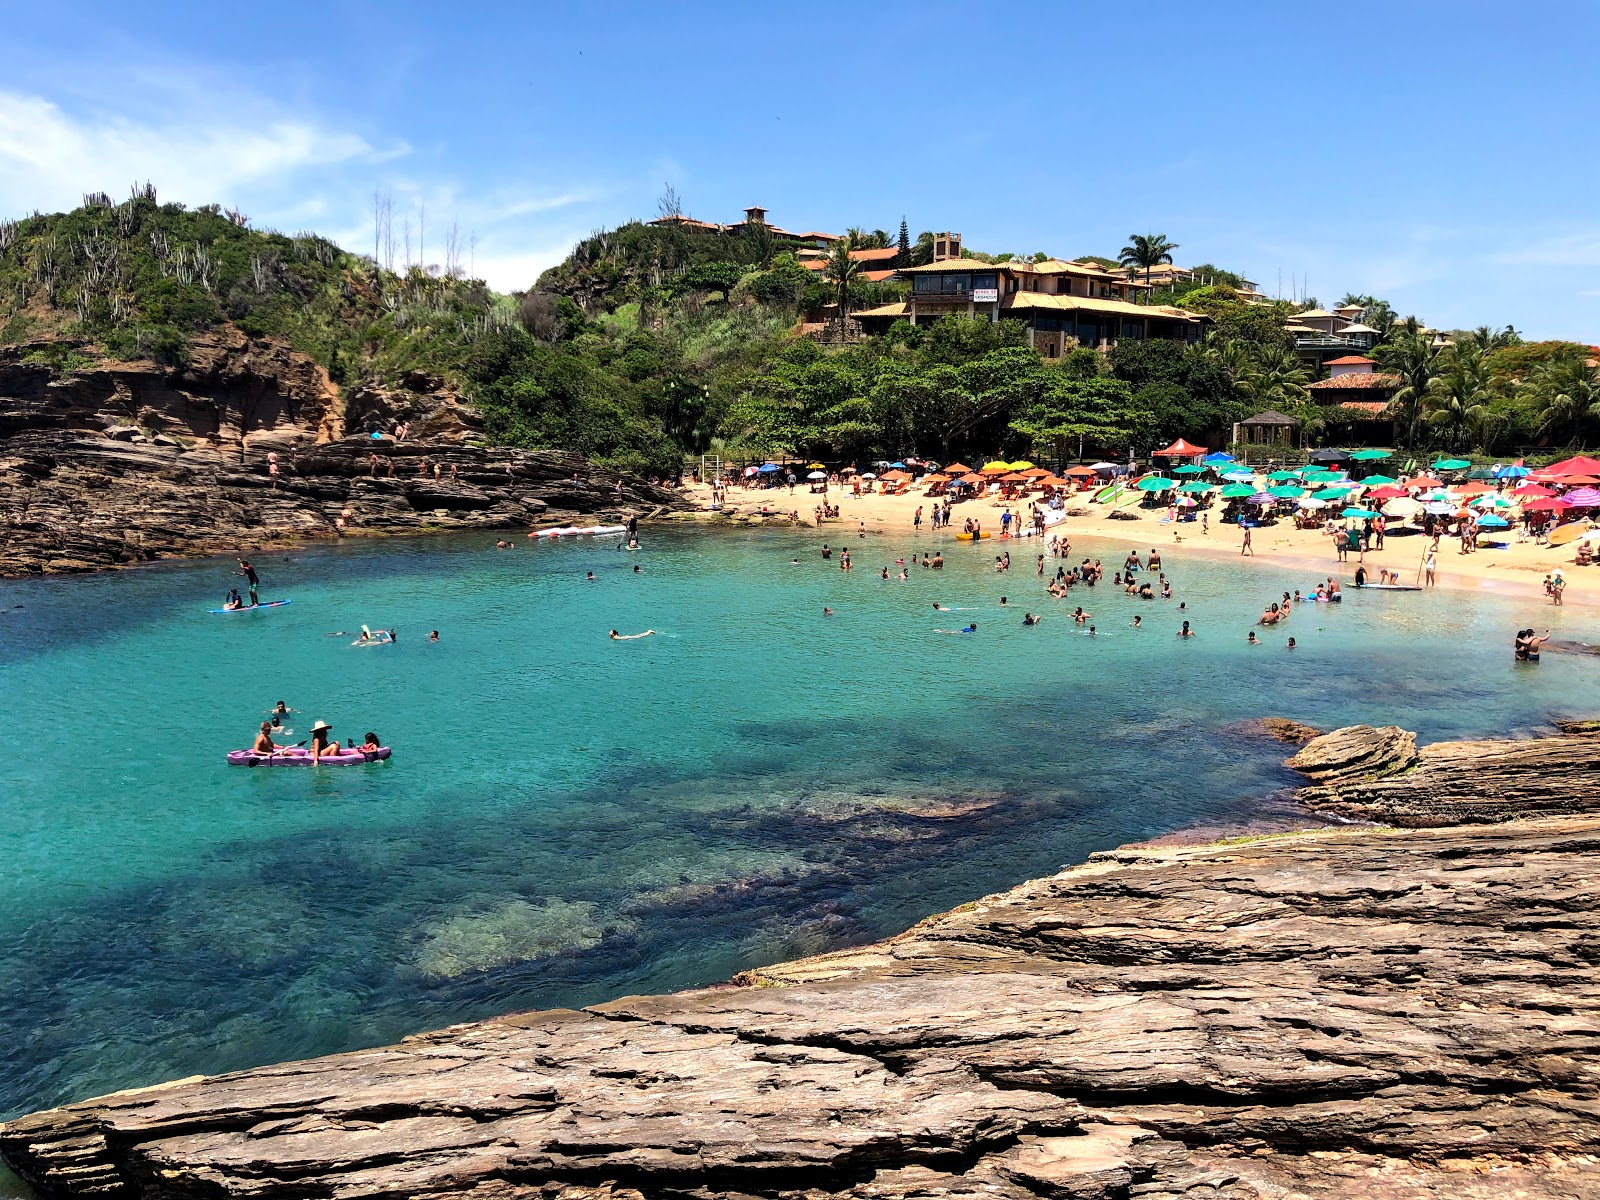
(567, 819)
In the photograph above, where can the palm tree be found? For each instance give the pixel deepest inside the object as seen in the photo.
(841, 269)
(1410, 354)
(1147, 251)
(1459, 395)
(1274, 377)
(1566, 392)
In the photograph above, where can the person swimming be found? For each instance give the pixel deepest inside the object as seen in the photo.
(973, 628)
(1029, 619)
(628, 637)
(434, 636)
(1253, 640)
(280, 709)
(1290, 646)
(1186, 632)
(1138, 622)
(826, 611)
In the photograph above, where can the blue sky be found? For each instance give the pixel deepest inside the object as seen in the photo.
(1440, 155)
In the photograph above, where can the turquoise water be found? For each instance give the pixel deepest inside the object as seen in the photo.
(567, 818)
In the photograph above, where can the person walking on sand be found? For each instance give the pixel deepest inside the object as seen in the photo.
(916, 520)
(1246, 548)
(1430, 567)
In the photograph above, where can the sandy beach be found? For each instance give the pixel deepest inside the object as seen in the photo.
(1516, 571)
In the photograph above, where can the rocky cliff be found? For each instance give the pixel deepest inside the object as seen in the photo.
(246, 445)
(1363, 1012)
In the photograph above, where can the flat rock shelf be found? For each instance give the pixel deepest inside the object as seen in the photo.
(1369, 1011)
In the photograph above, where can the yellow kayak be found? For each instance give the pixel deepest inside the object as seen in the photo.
(967, 537)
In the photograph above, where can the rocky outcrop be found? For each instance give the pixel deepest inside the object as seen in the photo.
(245, 447)
(1381, 775)
(1380, 1013)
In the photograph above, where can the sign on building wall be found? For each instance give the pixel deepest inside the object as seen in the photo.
(985, 295)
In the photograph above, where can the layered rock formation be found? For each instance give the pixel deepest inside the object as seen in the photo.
(1380, 1013)
(244, 447)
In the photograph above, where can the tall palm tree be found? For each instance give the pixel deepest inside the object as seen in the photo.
(1410, 354)
(1146, 251)
(1459, 395)
(841, 269)
(1566, 393)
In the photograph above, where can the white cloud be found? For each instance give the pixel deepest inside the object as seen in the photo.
(49, 158)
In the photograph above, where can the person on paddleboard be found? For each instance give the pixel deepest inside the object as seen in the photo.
(233, 603)
(254, 580)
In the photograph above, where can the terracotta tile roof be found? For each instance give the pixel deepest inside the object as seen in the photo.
(1358, 380)
(1375, 408)
(898, 309)
(971, 264)
(1351, 360)
(1048, 300)
(878, 276)
(883, 255)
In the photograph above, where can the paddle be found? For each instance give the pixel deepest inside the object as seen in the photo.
(256, 762)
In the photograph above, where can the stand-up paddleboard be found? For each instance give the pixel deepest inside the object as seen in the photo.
(1563, 534)
(1387, 587)
(252, 607)
(578, 531)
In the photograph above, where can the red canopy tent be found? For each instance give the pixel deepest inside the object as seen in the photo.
(1183, 449)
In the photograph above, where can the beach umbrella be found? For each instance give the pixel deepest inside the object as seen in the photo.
(1512, 472)
(1378, 480)
(1323, 476)
(1531, 489)
(1285, 492)
(751, 471)
(1237, 491)
(1014, 477)
(1584, 497)
(1217, 458)
(817, 475)
(1196, 487)
(1492, 521)
(1103, 466)
(959, 469)
(868, 475)
(1492, 501)
(996, 467)
(1387, 493)
(1312, 504)
(1545, 504)
(1482, 473)
(1190, 469)
(936, 477)
(1280, 476)
(1022, 465)
(1332, 493)
(1359, 514)
(1370, 455)
(1036, 473)
(1080, 471)
(1261, 498)
(768, 468)
(1240, 476)
(1155, 483)
(1328, 456)
(1401, 508)
(897, 474)
(1186, 502)
(1437, 494)
(1440, 508)
(973, 479)
(1451, 464)
(1578, 480)
(1581, 465)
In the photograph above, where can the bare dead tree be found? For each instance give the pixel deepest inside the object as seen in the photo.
(670, 204)
(8, 235)
(407, 228)
(422, 233)
(472, 241)
(237, 217)
(261, 271)
(452, 250)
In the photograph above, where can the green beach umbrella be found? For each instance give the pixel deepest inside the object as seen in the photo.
(1195, 487)
(1322, 476)
(1237, 491)
(1333, 493)
(1190, 469)
(1359, 513)
(1280, 476)
(1370, 455)
(1378, 481)
(1154, 483)
(1451, 464)
(1286, 492)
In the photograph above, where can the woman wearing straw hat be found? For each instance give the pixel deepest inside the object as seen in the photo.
(321, 743)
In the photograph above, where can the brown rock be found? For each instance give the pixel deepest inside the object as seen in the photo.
(1356, 752)
(1376, 1013)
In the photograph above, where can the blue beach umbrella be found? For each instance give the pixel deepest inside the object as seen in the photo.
(1188, 469)
(769, 468)
(1511, 472)
(1332, 493)
(1212, 460)
(1493, 521)
(1155, 483)
(1359, 514)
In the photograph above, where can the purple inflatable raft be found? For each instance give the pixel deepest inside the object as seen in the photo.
(302, 758)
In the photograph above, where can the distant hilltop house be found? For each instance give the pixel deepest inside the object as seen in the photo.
(1061, 304)
(754, 215)
(1362, 394)
(1167, 276)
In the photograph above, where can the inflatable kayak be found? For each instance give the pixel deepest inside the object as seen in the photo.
(296, 757)
(252, 607)
(967, 537)
(578, 530)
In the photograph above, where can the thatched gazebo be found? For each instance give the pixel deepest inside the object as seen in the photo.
(1266, 428)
